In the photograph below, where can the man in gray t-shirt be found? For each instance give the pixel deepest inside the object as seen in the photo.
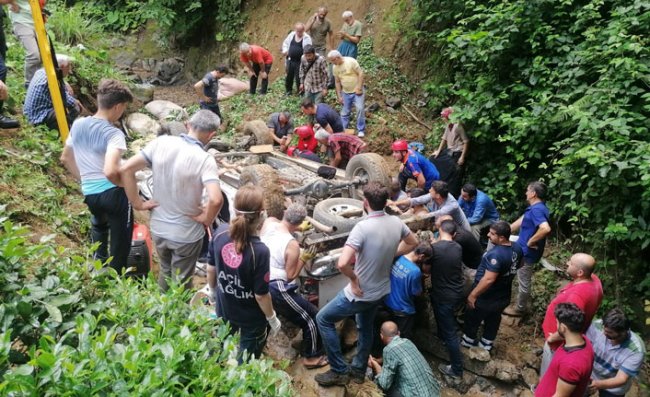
(374, 242)
(92, 154)
(181, 171)
(280, 128)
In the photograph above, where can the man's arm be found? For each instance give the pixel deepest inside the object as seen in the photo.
(112, 161)
(563, 389)
(386, 373)
(516, 225)
(266, 304)
(488, 279)
(292, 262)
(345, 267)
(127, 174)
(310, 22)
(336, 159)
(407, 244)
(359, 88)
(463, 153)
(443, 142)
(68, 160)
(421, 180)
(212, 207)
(339, 89)
(198, 87)
(543, 230)
(619, 380)
(479, 212)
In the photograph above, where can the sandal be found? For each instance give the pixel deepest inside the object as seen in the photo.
(322, 361)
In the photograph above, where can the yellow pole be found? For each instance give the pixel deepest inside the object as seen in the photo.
(46, 58)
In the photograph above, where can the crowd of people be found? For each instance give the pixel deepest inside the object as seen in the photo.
(254, 260)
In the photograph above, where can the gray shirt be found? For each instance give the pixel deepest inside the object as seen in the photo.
(448, 207)
(375, 239)
(180, 168)
(278, 130)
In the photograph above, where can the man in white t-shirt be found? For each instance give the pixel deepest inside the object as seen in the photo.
(181, 171)
(92, 154)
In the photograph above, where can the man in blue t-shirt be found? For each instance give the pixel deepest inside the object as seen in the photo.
(534, 226)
(405, 285)
(478, 208)
(492, 287)
(324, 115)
(413, 165)
(208, 90)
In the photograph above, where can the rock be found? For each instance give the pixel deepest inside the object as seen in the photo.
(393, 102)
(506, 371)
(421, 103)
(143, 92)
(142, 124)
(391, 110)
(279, 347)
(521, 392)
(172, 128)
(169, 71)
(530, 376)
(476, 353)
(373, 108)
(219, 145)
(166, 110)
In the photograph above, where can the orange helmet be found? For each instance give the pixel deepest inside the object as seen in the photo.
(400, 145)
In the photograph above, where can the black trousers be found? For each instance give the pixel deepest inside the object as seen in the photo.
(265, 82)
(112, 216)
(293, 75)
(487, 313)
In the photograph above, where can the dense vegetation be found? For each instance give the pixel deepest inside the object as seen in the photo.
(558, 91)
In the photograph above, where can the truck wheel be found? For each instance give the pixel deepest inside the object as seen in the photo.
(259, 130)
(264, 176)
(329, 212)
(370, 165)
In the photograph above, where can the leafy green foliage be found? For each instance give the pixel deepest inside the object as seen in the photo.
(556, 91)
(67, 328)
(72, 25)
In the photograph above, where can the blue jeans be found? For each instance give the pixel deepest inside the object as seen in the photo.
(336, 310)
(358, 101)
(448, 332)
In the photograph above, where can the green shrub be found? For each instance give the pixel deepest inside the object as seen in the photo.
(66, 329)
(71, 25)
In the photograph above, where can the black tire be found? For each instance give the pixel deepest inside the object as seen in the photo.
(264, 176)
(370, 164)
(258, 130)
(326, 212)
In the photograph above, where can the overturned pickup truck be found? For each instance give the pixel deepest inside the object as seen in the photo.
(333, 204)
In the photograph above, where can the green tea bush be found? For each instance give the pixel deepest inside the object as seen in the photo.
(556, 90)
(68, 329)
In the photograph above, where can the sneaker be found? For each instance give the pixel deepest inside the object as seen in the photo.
(6, 122)
(468, 342)
(361, 134)
(486, 344)
(446, 370)
(513, 311)
(331, 378)
(357, 377)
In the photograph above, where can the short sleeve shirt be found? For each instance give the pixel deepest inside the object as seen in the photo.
(90, 139)
(505, 261)
(534, 216)
(240, 276)
(417, 164)
(348, 145)
(447, 267)
(405, 283)
(279, 130)
(573, 365)
(180, 168)
(325, 116)
(455, 136)
(375, 240)
(348, 73)
(319, 30)
(472, 249)
(210, 86)
(356, 29)
(258, 55)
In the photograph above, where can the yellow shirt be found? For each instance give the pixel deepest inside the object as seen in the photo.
(348, 72)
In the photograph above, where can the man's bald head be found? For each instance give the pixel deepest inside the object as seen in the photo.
(441, 219)
(389, 329)
(584, 262)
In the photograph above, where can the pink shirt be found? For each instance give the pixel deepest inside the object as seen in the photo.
(573, 365)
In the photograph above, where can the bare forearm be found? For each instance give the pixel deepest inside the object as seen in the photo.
(265, 303)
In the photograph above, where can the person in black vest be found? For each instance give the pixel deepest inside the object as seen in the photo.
(293, 48)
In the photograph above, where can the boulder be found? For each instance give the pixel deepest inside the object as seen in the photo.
(479, 354)
(173, 128)
(143, 92)
(393, 102)
(142, 124)
(166, 110)
(373, 107)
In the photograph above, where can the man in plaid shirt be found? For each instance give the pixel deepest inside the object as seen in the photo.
(313, 75)
(38, 106)
(341, 147)
(405, 370)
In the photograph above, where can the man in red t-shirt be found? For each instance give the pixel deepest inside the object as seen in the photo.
(569, 372)
(258, 62)
(585, 291)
